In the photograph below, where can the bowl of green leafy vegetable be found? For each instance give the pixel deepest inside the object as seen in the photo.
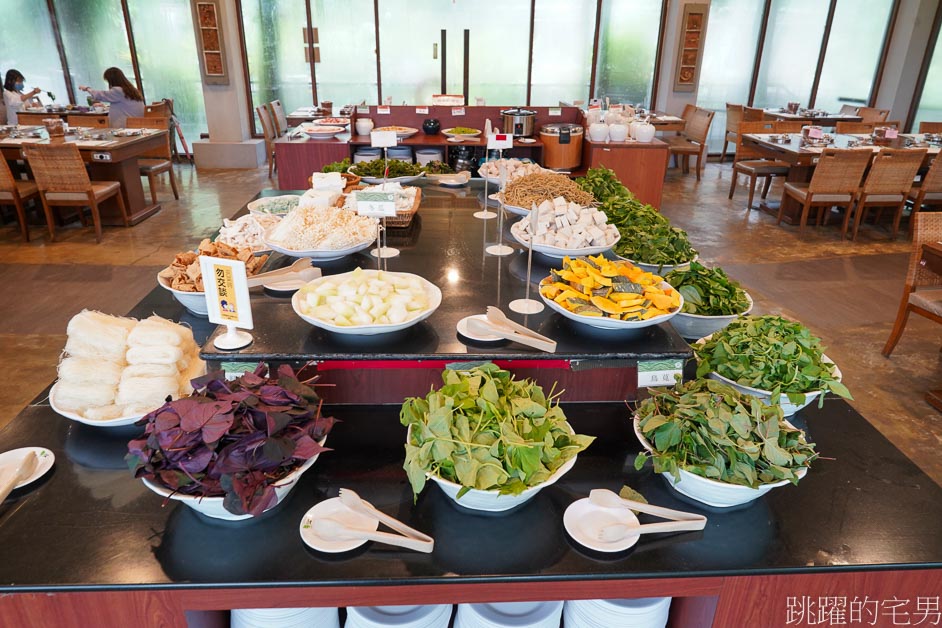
(489, 441)
(711, 300)
(399, 171)
(647, 238)
(772, 358)
(718, 446)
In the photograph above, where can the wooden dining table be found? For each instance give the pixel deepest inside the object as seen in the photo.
(112, 158)
(802, 159)
(819, 119)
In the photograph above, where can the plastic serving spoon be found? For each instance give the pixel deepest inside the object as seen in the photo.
(680, 521)
(356, 503)
(26, 469)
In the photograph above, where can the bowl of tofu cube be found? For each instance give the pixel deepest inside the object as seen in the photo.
(560, 228)
(366, 302)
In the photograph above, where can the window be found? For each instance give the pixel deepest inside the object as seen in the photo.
(346, 72)
(628, 39)
(728, 57)
(790, 56)
(30, 47)
(95, 38)
(930, 102)
(563, 31)
(853, 52)
(175, 76)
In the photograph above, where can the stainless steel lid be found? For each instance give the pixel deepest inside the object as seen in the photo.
(561, 127)
(517, 111)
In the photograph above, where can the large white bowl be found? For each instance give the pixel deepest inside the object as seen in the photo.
(713, 492)
(554, 251)
(212, 506)
(432, 291)
(663, 269)
(324, 255)
(195, 302)
(694, 326)
(602, 322)
(258, 205)
(118, 422)
(400, 180)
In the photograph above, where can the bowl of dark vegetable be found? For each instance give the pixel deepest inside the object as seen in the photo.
(711, 300)
(234, 449)
(717, 446)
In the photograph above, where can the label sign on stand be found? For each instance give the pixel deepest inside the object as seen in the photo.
(227, 299)
(659, 372)
(376, 204)
(383, 139)
(500, 141)
(891, 133)
(422, 111)
(555, 111)
(457, 111)
(384, 110)
(363, 110)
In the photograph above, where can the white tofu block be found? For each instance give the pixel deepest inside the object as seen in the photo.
(546, 207)
(541, 228)
(599, 218)
(560, 202)
(564, 220)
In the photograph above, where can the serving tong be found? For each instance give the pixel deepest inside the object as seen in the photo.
(301, 269)
(498, 324)
(25, 469)
(679, 521)
(409, 538)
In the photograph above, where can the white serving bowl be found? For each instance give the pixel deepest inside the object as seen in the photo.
(602, 322)
(118, 422)
(465, 136)
(553, 251)
(661, 270)
(432, 291)
(693, 326)
(258, 205)
(195, 302)
(324, 255)
(713, 492)
(212, 506)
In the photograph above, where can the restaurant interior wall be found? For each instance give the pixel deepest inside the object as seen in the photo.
(668, 99)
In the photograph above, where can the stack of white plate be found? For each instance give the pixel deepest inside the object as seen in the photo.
(638, 613)
(434, 616)
(509, 614)
(285, 618)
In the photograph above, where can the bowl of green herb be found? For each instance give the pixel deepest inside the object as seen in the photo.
(647, 238)
(718, 446)
(772, 358)
(489, 441)
(399, 171)
(711, 300)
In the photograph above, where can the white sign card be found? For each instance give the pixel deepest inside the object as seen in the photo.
(555, 111)
(659, 372)
(376, 204)
(500, 141)
(383, 139)
(891, 133)
(363, 110)
(422, 111)
(384, 110)
(227, 291)
(457, 111)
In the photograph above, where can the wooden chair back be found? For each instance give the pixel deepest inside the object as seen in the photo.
(279, 118)
(854, 127)
(57, 167)
(164, 152)
(932, 180)
(849, 110)
(927, 228)
(698, 125)
(24, 117)
(893, 171)
(92, 122)
(7, 180)
(788, 126)
(157, 110)
(839, 171)
(872, 114)
(744, 151)
(264, 116)
(753, 114)
(930, 127)
(734, 115)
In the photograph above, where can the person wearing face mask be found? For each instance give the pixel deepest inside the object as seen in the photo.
(13, 96)
(124, 98)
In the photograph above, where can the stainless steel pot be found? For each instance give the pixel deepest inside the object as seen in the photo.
(518, 122)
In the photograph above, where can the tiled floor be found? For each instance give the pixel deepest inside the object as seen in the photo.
(846, 292)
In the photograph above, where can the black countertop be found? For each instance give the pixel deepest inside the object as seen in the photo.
(445, 244)
(88, 525)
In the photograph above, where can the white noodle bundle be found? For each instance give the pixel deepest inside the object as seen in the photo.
(149, 370)
(77, 397)
(156, 331)
(105, 413)
(90, 371)
(97, 335)
(196, 368)
(154, 355)
(147, 391)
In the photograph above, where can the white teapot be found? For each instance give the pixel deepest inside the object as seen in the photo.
(618, 132)
(598, 131)
(644, 132)
(364, 126)
(633, 128)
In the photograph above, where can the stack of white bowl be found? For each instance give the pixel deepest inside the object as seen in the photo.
(638, 613)
(285, 618)
(509, 615)
(423, 156)
(432, 616)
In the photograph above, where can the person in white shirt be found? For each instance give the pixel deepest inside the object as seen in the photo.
(13, 96)
(125, 100)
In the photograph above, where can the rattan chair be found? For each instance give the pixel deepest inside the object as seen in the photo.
(753, 114)
(918, 293)
(14, 191)
(733, 118)
(927, 192)
(278, 117)
(849, 110)
(835, 181)
(787, 126)
(694, 139)
(872, 114)
(888, 184)
(157, 161)
(268, 132)
(930, 127)
(63, 181)
(749, 161)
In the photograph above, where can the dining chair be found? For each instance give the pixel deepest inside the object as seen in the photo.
(693, 140)
(753, 114)
(787, 126)
(157, 110)
(930, 127)
(921, 293)
(927, 192)
(14, 191)
(872, 114)
(156, 161)
(849, 110)
(268, 132)
(279, 118)
(31, 119)
(748, 161)
(63, 181)
(851, 128)
(887, 185)
(733, 118)
(835, 182)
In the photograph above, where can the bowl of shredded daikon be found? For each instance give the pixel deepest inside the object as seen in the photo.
(322, 233)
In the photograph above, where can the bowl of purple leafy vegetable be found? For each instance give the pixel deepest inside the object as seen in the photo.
(234, 448)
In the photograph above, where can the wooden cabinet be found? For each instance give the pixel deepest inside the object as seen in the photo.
(641, 167)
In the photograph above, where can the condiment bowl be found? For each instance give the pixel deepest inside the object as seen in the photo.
(693, 326)
(195, 302)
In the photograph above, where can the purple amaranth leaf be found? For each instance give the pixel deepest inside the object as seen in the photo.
(277, 396)
(275, 452)
(323, 425)
(252, 380)
(306, 448)
(277, 421)
(197, 460)
(195, 412)
(166, 419)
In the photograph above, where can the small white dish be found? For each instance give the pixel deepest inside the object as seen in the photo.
(456, 140)
(470, 335)
(583, 520)
(425, 616)
(12, 459)
(333, 508)
(526, 140)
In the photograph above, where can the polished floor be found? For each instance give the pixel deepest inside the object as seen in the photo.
(846, 292)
